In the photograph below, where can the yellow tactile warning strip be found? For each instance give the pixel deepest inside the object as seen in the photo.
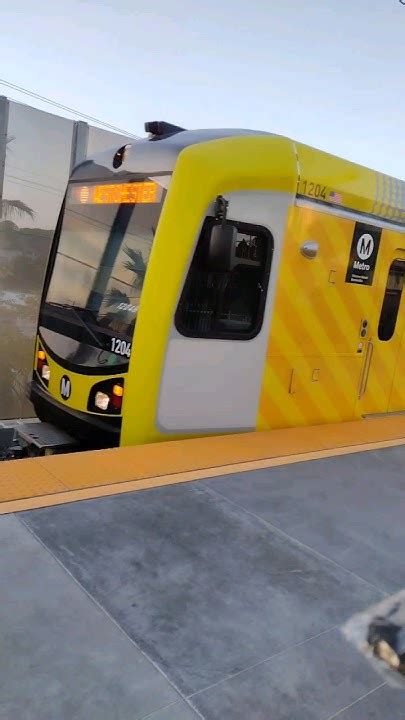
(53, 480)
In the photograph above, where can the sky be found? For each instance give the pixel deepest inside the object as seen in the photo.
(328, 73)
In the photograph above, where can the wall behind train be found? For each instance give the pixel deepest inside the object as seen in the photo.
(37, 151)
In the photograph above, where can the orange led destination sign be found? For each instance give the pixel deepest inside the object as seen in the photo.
(136, 192)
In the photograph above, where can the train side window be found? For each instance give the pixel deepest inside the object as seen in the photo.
(228, 300)
(392, 300)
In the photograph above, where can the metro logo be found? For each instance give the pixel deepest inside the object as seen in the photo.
(363, 254)
(365, 246)
(65, 387)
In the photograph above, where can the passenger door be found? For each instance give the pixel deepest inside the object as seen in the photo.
(381, 387)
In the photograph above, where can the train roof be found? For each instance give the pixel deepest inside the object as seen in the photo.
(342, 182)
(159, 153)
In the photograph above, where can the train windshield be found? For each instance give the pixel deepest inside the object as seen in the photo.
(101, 260)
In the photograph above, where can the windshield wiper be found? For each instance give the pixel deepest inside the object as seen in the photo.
(75, 311)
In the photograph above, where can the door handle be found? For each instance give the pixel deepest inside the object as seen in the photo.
(366, 369)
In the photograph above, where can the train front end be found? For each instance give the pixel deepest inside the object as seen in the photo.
(91, 298)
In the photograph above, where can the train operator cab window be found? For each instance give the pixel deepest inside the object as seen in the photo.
(392, 300)
(225, 291)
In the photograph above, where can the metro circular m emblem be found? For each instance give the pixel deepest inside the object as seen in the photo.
(365, 246)
(65, 387)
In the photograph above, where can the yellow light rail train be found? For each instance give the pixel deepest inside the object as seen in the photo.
(208, 282)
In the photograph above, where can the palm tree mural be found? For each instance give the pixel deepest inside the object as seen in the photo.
(24, 253)
(13, 209)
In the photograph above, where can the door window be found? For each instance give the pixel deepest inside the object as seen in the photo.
(227, 301)
(392, 300)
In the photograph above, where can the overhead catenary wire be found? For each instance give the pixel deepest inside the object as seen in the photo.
(13, 179)
(66, 108)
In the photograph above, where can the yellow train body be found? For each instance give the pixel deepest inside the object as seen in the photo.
(317, 357)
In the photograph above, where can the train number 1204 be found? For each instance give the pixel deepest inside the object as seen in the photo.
(314, 189)
(121, 347)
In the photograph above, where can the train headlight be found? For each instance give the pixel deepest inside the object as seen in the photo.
(102, 401)
(42, 366)
(116, 397)
(107, 396)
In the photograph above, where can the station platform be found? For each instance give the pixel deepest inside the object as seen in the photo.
(203, 578)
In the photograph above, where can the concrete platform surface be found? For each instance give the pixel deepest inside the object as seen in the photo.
(219, 599)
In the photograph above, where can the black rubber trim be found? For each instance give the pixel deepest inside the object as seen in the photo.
(352, 211)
